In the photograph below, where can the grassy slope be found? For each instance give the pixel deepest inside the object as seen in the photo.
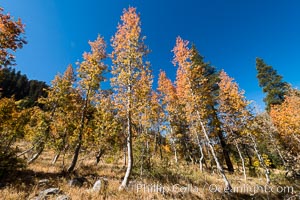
(188, 179)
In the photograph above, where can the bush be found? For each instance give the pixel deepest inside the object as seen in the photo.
(9, 162)
(11, 127)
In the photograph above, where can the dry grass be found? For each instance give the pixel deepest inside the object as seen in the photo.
(178, 182)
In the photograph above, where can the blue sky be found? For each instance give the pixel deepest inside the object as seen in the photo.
(228, 33)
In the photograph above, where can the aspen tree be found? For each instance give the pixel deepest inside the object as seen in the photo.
(182, 58)
(233, 112)
(45, 124)
(128, 55)
(11, 38)
(90, 74)
(286, 118)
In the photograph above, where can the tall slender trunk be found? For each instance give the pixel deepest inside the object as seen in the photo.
(175, 151)
(173, 144)
(79, 139)
(219, 132)
(261, 160)
(228, 187)
(125, 155)
(225, 151)
(156, 140)
(278, 151)
(201, 153)
(129, 142)
(76, 154)
(175, 154)
(223, 142)
(242, 159)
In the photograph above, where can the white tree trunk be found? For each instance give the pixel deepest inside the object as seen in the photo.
(228, 187)
(278, 151)
(130, 157)
(174, 146)
(129, 143)
(125, 156)
(242, 159)
(36, 155)
(261, 160)
(201, 153)
(26, 151)
(55, 158)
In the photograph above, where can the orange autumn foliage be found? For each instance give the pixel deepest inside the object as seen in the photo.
(286, 117)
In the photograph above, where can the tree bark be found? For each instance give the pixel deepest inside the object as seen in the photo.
(261, 160)
(175, 152)
(242, 159)
(228, 187)
(99, 155)
(278, 151)
(201, 153)
(125, 156)
(223, 145)
(75, 156)
(174, 146)
(79, 139)
(36, 155)
(219, 132)
(26, 151)
(129, 143)
(55, 158)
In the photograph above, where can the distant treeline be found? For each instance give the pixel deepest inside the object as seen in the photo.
(17, 85)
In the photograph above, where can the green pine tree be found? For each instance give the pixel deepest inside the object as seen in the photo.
(207, 85)
(271, 83)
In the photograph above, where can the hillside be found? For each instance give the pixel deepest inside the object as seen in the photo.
(167, 181)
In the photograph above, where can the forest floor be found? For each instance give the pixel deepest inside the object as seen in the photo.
(163, 181)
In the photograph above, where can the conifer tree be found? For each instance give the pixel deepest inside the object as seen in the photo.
(206, 83)
(271, 83)
(198, 101)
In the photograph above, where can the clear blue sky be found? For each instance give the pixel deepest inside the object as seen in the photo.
(229, 33)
